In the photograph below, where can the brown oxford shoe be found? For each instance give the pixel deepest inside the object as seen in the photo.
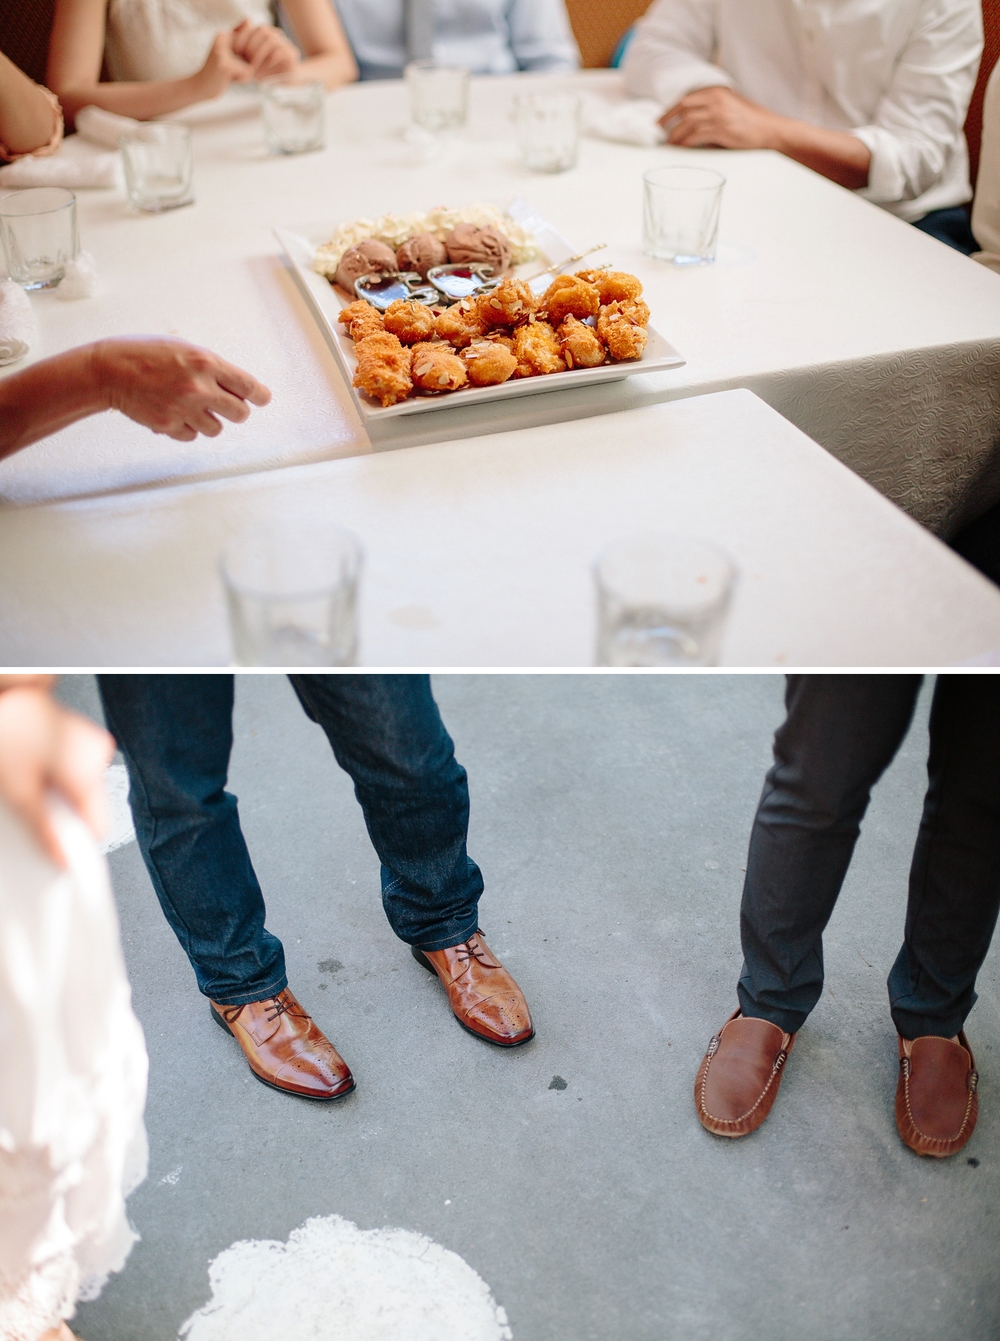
(738, 1080)
(285, 1048)
(936, 1100)
(485, 998)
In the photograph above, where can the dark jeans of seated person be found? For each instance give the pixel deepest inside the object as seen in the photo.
(950, 226)
(979, 544)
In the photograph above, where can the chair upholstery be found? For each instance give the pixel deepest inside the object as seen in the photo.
(991, 52)
(599, 26)
(25, 26)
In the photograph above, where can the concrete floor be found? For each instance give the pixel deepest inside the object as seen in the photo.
(610, 816)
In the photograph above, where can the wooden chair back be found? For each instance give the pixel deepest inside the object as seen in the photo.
(991, 52)
(599, 25)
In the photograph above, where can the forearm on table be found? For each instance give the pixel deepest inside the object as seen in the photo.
(27, 118)
(332, 68)
(836, 154)
(139, 100)
(49, 396)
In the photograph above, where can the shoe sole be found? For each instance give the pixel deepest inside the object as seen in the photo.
(424, 962)
(296, 1094)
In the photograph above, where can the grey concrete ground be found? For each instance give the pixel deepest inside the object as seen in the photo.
(610, 816)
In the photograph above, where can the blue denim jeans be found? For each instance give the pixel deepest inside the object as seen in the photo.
(840, 734)
(176, 734)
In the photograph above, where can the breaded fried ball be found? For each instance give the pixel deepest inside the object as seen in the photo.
(383, 370)
(624, 339)
(635, 309)
(361, 319)
(459, 325)
(436, 368)
(509, 304)
(408, 321)
(500, 337)
(570, 296)
(489, 362)
(580, 345)
(613, 285)
(536, 348)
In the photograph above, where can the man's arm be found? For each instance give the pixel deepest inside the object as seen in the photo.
(541, 36)
(671, 52)
(28, 120)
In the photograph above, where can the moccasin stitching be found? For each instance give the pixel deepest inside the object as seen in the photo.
(935, 1140)
(776, 1070)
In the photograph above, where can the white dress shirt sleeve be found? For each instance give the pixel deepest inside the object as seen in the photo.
(986, 210)
(920, 117)
(541, 37)
(671, 52)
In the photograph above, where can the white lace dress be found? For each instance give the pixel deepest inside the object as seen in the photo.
(170, 39)
(72, 1081)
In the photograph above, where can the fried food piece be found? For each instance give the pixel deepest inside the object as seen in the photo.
(509, 304)
(459, 325)
(635, 309)
(489, 362)
(536, 348)
(570, 296)
(500, 337)
(409, 322)
(623, 337)
(580, 345)
(361, 319)
(383, 370)
(436, 368)
(614, 286)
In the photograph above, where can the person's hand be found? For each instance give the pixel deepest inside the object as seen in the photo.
(223, 67)
(721, 119)
(173, 387)
(265, 48)
(44, 748)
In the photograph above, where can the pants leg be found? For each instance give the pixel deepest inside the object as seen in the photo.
(387, 733)
(840, 734)
(954, 893)
(950, 226)
(176, 734)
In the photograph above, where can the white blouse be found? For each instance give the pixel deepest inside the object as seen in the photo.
(898, 74)
(170, 39)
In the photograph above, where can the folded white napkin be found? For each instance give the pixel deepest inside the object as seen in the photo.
(625, 120)
(101, 127)
(79, 279)
(17, 322)
(76, 171)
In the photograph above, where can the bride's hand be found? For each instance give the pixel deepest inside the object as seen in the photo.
(265, 48)
(223, 67)
(43, 748)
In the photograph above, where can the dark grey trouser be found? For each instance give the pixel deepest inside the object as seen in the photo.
(839, 736)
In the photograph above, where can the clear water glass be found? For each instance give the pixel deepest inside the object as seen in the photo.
(159, 165)
(39, 233)
(680, 220)
(662, 600)
(293, 115)
(439, 95)
(548, 131)
(292, 595)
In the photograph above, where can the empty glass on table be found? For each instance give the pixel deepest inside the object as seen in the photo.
(293, 115)
(159, 165)
(681, 207)
(439, 95)
(39, 233)
(548, 131)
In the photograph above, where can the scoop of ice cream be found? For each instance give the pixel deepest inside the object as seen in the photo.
(420, 253)
(470, 245)
(368, 257)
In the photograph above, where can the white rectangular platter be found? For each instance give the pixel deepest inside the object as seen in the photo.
(300, 243)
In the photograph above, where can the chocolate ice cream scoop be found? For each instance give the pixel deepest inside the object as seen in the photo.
(368, 257)
(420, 253)
(470, 245)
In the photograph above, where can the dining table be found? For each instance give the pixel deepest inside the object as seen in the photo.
(480, 552)
(878, 342)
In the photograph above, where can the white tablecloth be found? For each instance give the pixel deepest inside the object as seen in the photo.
(881, 343)
(479, 552)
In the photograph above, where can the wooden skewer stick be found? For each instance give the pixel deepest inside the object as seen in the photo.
(570, 260)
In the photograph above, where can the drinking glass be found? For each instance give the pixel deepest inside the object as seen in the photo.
(680, 220)
(293, 115)
(439, 95)
(662, 601)
(292, 592)
(39, 233)
(548, 131)
(158, 165)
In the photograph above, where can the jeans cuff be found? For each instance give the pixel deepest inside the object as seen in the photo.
(257, 994)
(448, 942)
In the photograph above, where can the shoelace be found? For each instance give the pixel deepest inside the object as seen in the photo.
(282, 1006)
(474, 951)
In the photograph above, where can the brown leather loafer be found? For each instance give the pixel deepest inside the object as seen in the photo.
(485, 998)
(738, 1079)
(284, 1047)
(936, 1100)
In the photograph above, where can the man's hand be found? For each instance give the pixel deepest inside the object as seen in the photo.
(43, 748)
(173, 387)
(224, 66)
(265, 48)
(721, 119)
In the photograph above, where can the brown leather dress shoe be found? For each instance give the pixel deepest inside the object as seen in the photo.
(485, 998)
(285, 1048)
(738, 1079)
(936, 1100)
